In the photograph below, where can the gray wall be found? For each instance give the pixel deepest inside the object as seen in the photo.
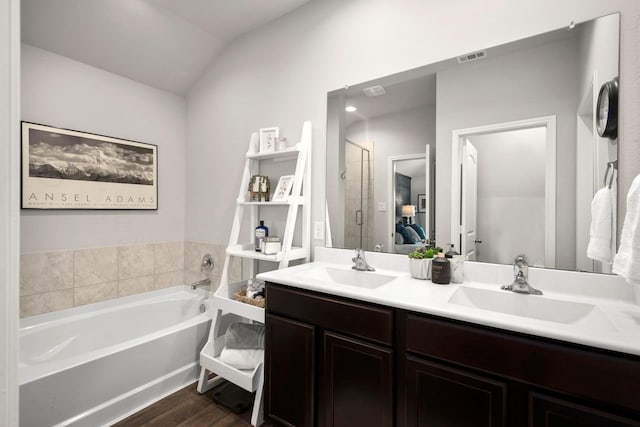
(280, 75)
(63, 93)
(526, 84)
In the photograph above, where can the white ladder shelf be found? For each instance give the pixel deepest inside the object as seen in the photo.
(223, 299)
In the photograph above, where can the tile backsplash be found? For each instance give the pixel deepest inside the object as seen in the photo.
(51, 281)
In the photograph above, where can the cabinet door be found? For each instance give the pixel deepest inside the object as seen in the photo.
(289, 371)
(357, 383)
(437, 395)
(548, 411)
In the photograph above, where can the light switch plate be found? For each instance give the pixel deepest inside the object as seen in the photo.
(318, 230)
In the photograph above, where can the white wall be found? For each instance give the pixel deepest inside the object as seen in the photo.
(525, 84)
(280, 75)
(9, 208)
(394, 134)
(60, 92)
(511, 184)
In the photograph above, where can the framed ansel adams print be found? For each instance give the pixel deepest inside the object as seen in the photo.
(67, 169)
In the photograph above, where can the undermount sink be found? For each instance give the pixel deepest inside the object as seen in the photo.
(360, 279)
(531, 306)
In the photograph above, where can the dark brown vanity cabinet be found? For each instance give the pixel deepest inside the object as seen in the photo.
(337, 362)
(343, 375)
(457, 374)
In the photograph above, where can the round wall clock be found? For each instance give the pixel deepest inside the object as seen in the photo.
(607, 110)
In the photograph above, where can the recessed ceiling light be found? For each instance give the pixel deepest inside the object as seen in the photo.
(350, 109)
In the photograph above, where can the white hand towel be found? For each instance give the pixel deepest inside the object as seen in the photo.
(627, 261)
(241, 358)
(601, 223)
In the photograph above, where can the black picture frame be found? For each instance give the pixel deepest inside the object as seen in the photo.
(422, 203)
(67, 169)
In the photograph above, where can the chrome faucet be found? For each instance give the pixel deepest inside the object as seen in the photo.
(199, 283)
(520, 282)
(360, 263)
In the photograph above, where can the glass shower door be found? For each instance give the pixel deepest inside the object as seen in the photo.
(357, 196)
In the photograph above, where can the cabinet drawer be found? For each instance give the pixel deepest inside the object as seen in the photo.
(590, 374)
(367, 321)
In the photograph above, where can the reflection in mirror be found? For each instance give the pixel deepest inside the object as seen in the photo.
(503, 185)
(357, 179)
(409, 183)
(512, 158)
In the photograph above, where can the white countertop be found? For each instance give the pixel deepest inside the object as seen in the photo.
(614, 324)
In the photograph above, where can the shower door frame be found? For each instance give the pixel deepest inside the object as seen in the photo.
(362, 213)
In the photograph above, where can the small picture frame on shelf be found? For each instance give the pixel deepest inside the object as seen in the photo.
(268, 139)
(283, 189)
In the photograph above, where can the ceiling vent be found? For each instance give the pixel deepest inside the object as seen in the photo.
(374, 90)
(474, 56)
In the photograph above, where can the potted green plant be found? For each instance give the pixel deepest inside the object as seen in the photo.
(420, 263)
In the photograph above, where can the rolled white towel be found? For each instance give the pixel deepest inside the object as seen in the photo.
(599, 247)
(241, 358)
(627, 261)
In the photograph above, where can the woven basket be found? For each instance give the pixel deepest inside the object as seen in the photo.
(242, 297)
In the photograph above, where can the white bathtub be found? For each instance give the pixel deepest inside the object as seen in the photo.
(95, 364)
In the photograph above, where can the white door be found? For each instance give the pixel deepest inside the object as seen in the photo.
(469, 201)
(427, 201)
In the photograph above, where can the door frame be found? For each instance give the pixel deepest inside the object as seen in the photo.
(464, 188)
(9, 210)
(391, 180)
(457, 145)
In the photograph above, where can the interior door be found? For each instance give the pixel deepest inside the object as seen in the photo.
(469, 211)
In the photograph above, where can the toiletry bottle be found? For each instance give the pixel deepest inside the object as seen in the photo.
(262, 231)
(451, 252)
(457, 268)
(440, 270)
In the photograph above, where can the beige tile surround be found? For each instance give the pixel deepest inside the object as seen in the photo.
(52, 281)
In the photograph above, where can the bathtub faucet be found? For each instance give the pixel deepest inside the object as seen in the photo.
(203, 282)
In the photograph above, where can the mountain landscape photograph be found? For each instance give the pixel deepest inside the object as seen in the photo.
(63, 156)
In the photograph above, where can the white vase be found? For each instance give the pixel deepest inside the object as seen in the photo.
(420, 268)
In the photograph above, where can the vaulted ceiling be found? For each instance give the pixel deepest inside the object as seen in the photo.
(166, 44)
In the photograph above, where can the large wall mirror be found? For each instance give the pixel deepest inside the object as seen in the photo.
(496, 152)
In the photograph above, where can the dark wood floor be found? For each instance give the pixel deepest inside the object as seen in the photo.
(184, 408)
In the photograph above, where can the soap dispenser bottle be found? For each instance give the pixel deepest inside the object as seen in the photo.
(262, 232)
(441, 270)
(451, 252)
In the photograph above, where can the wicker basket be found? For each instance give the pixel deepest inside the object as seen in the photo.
(242, 296)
